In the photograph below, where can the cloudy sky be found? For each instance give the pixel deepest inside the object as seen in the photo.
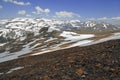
(61, 9)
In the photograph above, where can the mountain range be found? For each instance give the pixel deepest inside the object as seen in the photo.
(20, 37)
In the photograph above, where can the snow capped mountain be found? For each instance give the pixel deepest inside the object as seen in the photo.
(19, 27)
(21, 36)
(89, 24)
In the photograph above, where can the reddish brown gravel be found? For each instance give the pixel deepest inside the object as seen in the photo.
(95, 62)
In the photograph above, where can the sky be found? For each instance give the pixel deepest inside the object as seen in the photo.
(61, 9)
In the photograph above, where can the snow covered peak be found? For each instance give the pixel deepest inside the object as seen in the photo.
(90, 24)
(20, 27)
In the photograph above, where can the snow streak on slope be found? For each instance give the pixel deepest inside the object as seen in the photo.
(5, 56)
(85, 42)
(112, 37)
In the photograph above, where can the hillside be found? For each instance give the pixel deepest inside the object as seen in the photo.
(31, 36)
(95, 62)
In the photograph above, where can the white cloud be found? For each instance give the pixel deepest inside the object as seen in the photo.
(28, 15)
(65, 14)
(34, 12)
(47, 10)
(39, 10)
(91, 19)
(112, 18)
(22, 12)
(1, 6)
(103, 18)
(17, 2)
(116, 18)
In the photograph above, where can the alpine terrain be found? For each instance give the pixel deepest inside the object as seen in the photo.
(21, 37)
(50, 49)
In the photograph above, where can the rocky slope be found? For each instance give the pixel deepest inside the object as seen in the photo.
(25, 36)
(95, 62)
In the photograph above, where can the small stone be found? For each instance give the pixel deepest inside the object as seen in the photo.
(83, 76)
(71, 60)
(99, 65)
(112, 69)
(80, 71)
(45, 78)
(107, 68)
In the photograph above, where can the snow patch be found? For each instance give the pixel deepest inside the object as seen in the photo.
(51, 39)
(14, 69)
(79, 43)
(112, 37)
(116, 33)
(5, 56)
(75, 37)
(105, 26)
(1, 73)
(51, 29)
(2, 44)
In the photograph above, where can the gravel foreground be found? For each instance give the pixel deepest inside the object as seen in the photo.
(94, 62)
